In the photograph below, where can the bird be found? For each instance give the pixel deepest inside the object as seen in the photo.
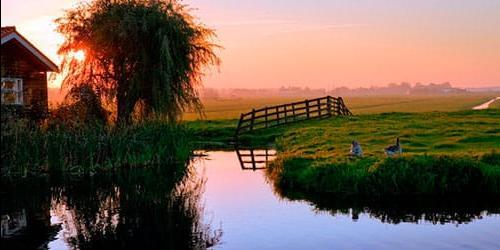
(356, 149)
(394, 149)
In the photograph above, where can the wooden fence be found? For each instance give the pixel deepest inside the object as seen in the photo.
(291, 112)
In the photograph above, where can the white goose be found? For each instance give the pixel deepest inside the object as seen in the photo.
(394, 149)
(356, 149)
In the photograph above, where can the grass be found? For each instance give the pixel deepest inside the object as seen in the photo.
(495, 105)
(444, 152)
(433, 132)
(461, 132)
(31, 150)
(228, 109)
(407, 175)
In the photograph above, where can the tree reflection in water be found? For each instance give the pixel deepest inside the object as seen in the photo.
(138, 208)
(395, 210)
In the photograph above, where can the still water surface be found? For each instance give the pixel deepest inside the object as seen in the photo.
(220, 205)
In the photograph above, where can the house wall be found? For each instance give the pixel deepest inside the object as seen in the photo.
(17, 62)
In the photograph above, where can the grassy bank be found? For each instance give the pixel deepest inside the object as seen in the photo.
(30, 150)
(444, 153)
(407, 175)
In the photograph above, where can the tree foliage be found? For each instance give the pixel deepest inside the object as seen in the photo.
(82, 106)
(146, 54)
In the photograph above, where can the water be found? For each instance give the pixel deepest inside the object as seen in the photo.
(218, 203)
(486, 105)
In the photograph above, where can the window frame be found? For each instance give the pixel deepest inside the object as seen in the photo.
(17, 90)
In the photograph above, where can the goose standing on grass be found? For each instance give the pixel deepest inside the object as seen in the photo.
(356, 149)
(394, 149)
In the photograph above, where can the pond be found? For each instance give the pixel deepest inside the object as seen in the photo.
(225, 201)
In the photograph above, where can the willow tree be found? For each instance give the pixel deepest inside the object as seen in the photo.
(138, 53)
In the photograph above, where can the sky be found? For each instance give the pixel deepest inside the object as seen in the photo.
(324, 43)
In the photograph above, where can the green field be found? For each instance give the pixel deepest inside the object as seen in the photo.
(232, 108)
(449, 151)
(495, 105)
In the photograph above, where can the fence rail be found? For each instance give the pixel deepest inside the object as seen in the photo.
(291, 112)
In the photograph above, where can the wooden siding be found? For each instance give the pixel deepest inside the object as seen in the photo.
(17, 62)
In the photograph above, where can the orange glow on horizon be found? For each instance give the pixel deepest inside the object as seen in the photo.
(322, 44)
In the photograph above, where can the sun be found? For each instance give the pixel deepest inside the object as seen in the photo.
(79, 55)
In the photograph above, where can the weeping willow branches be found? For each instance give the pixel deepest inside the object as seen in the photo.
(139, 54)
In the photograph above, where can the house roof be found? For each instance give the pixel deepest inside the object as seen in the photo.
(10, 33)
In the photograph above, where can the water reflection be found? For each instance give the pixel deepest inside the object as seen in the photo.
(152, 209)
(135, 209)
(254, 159)
(255, 215)
(396, 210)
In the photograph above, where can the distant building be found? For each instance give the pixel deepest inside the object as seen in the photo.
(24, 73)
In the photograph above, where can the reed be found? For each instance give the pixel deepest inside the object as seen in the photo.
(31, 149)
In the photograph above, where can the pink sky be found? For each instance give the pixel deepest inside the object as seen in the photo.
(325, 43)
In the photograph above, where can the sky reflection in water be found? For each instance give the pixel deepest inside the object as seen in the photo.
(144, 208)
(253, 217)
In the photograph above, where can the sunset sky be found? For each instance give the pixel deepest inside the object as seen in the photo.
(325, 43)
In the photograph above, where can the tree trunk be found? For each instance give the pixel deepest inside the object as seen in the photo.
(123, 115)
(123, 105)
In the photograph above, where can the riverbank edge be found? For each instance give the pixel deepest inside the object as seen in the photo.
(415, 175)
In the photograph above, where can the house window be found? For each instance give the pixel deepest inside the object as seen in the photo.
(12, 91)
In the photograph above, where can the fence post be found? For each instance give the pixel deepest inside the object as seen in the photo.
(337, 106)
(253, 159)
(293, 111)
(307, 108)
(266, 157)
(329, 105)
(253, 119)
(343, 105)
(238, 128)
(286, 115)
(319, 107)
(266, 117)
(277, 115)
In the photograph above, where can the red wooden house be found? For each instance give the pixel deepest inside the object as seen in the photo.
(24, 72)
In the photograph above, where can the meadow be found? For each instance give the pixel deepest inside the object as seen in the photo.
(223, 109)
(495, 105)
(443, 153)
(216, 128)
(447, 147)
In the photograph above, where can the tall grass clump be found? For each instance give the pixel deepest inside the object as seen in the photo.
(412, 175)
(29, 149)
(431, 175)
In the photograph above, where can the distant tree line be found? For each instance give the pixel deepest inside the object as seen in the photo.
(306, 92)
